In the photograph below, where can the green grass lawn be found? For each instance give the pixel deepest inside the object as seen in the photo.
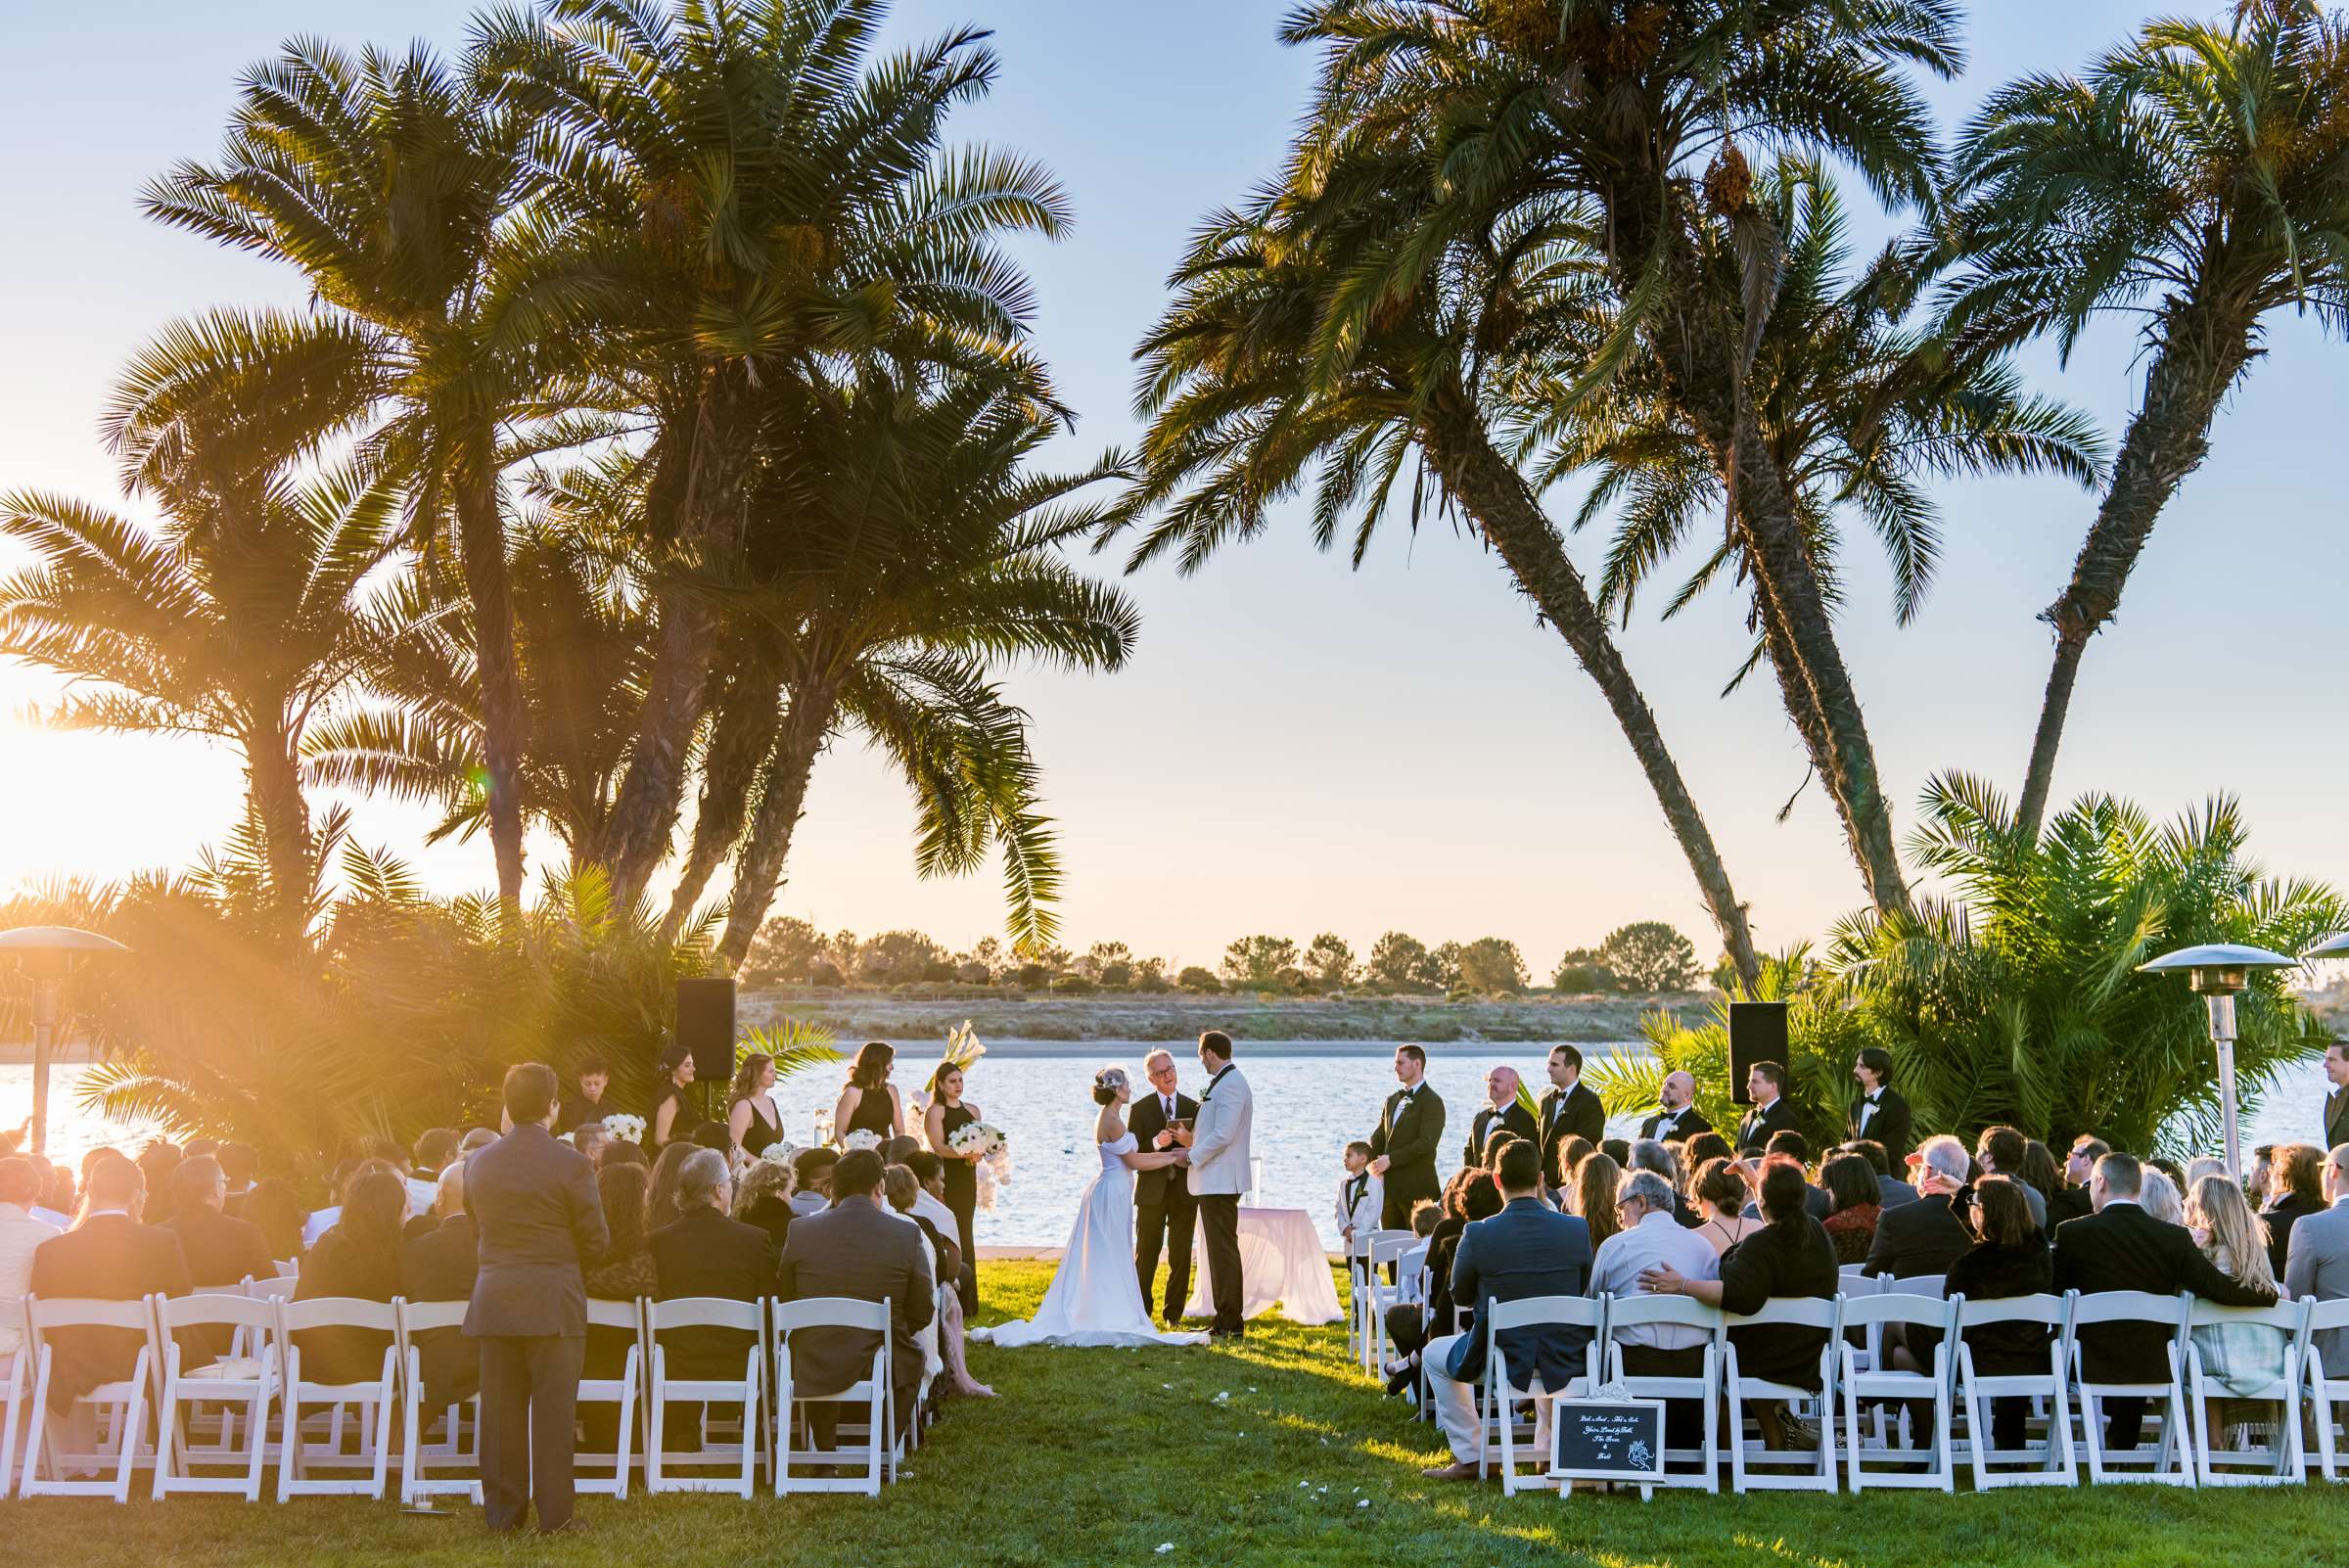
(1261, 1454)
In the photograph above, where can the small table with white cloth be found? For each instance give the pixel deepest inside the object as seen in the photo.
(1281, 1259)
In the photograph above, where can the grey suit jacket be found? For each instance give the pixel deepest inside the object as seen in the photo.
(855, 1249)
(541, 1222)
(2318, 1267)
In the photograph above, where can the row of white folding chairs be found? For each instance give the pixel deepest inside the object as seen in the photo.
(1952, 1386)
(262, 1368)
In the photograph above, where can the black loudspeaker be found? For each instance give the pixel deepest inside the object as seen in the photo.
(1757, 1034)
(706, 1027)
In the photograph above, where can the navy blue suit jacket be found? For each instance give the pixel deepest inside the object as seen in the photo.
(1528, 1249)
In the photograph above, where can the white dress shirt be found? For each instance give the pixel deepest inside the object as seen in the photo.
(1868, 1110)
(937, 1214)
(1658, 1238)
(19, 1234)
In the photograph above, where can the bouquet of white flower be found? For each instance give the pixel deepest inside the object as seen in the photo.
(626, 1128)
(976, 1139)
(779, 1152)
(861, 1138)
(993, 1167)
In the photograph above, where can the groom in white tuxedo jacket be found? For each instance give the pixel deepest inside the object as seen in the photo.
(1219, 1173)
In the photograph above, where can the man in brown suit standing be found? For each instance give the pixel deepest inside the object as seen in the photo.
(859, 1249)
(535, 1204)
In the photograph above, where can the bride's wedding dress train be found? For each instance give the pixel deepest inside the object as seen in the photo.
(1094, 1298)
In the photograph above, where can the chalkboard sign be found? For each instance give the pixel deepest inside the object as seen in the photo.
(1610, 1440)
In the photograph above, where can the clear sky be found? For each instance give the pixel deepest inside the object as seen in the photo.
(1297, 747)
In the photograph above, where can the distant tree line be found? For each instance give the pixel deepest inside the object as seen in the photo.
(1638, 959)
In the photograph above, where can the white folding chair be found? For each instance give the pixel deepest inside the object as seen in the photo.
(2057, 1465)
(417, 1319)
(1364, 1290)
(621, 1391)
(2279, 1462)
(2172, 1462)
(1388, 1249)
(1643, 1310)
(872, 1391)
(118, 1402)
(367, 1402)
(16, 1377)
(685, 1314)
(1817, 1471)
(1500, 1392)
(1882, 1463)
(242, 1382)
(2328, 1393)
(278, 1287)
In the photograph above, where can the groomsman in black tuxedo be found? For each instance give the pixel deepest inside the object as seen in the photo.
(2336, 1101)
(1568, 1111)
(1402, 1151)
(1501, 1113)
(1675, 1111)
(1765, 1087)
(1163, 1213)
(1881, 1112)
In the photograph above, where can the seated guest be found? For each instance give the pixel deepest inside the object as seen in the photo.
(586, 1102)
(241, 1165)
(713, 1135)
(2201, 1166)
(2008, 1257)
(19, 1234)
(623, 1272)
(1573, 1150)
(435, 1148)
(1470, 1195)
(2241, 1357)
(2071, 1200)
(763, 1198)
(942, 1341)
(2041, 1176)
(614, 1151)
(2000, 1151)
(442, 1264)
(663, 1207)
(1788, 1145)
(1618, 1150)
(1664, 1160)
(703, 1253)
(1492, 1147)
(893, 1150)
(2161, 1196)
(156, 1160)
(107, 1256)
(1526, 1250)
(422, 1192)
(358, 1257)
(2295, 1184)
(859, 1250)
(1789, 1256)
(219, 1249)
(1720, 1200)
(1852, 1206)
(321, 1221)
(1593, 1196)
(53, 1204)
(272, 1207)
(1702, 1147)
(1928, 1235)
(930, 1202)
(590, 1138)
(2319, 1261)
(811, 1181)
(1650, 1237)
(1892, 1188)
(2121, 1246)
(475, 1140)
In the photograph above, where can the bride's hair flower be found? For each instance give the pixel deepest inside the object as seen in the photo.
(1108, 1083)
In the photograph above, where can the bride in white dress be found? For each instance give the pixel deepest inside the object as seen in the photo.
(1094, 1298)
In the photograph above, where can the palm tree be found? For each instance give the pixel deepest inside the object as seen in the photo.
(1856, 409)
(1627, 115)
(244, 619)
(923, 554)
(1247, 404)
(2193, 176)
(737, 196)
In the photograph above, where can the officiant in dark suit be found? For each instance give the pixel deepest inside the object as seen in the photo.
(1568, 1111)
(1402, 1151)
(1881, 1112)
(1164, 1215)
(1501, 1113)
(1676, 1118)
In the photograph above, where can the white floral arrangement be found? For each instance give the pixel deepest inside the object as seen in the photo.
(626, 1128)
(976, 1140)
(962, 1045)
(861, 1138)
(993, 1167)
(779, 1152)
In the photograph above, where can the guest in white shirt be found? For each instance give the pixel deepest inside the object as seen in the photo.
(52, 1201)
(19, 1233)
(1652, 1235)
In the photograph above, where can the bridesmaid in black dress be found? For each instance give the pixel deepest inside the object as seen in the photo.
(751, 1120)
(869, 1103)
(669, 1119)
(960, 1173)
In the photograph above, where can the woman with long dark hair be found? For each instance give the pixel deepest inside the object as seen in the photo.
(624, 1272)
(272, 1206)
(946, 1116)
(661, 1206)
(751, 1120)
(869, 1103)
(669, 1122)
(2008, 1257)
(359, 1256)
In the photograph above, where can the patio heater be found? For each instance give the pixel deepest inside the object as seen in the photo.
(2218, 971)
(46, 955)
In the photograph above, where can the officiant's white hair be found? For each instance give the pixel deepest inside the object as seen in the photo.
(1106, 1084)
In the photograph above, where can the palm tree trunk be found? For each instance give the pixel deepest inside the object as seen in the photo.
(782, 796)
(2203, 350)
(1497, 496)
(709, 526)
(505, 718)
(273, 789)
(743, 734)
